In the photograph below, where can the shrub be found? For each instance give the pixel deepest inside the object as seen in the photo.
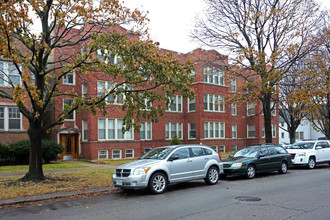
(18, 152)
(175, 141)
(50, 150)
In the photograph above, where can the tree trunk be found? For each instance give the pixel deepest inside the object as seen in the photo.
(267, 119)
(292, 134)
(35, 157)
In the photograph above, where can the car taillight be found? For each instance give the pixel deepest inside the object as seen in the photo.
(220, 157)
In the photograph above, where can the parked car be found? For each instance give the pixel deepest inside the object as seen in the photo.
(256, 159)
(309, 153)
(169, 164)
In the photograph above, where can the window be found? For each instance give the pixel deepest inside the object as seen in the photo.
(191, 130)
(213, 75)
(251, 131)
(234, 109)
(102, 154)
(10, 119)
(197, 151)
(173, 129)
(9, 75)
(2, 118)
(234, 147)
(299, 135)
(192, 74)
(147, 104)
(176, 105)
(214, 130)
(104, 87)
(111, 129)
(214, 103)
(263, 131)
(274, 130)
(192, 105)
(116, 154)
(233, 85)
(251, 109)
(282, 134)
(282, 124)
(67, 104)
(85, 130)
(182, 153)
(129, 153)
(222, 149)
(234, 131)
(69, 79)
(215, 148)
(145, 131)
(105, 55)
(273, 108)
(146, 150)
(84, 91)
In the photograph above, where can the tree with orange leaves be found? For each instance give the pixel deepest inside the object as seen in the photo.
(32, 31)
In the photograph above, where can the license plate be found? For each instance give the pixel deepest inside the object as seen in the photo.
(119, 182)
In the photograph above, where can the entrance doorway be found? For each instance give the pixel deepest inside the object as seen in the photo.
(70, 145)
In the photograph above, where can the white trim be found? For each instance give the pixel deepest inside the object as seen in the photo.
(170, 130)
(146, 131)
(74, 112)
(231, 107)
(132, 153)
(168, 108)
(247, 131)
(234, 137)
(6, 119)
(213, 124)
(6, 74)
(224, 149)
(83, 130)
(215, 99)
(106, 155)
(189, 129)
(120, 154)
(188, 105)
(106, 121)
(73, 79)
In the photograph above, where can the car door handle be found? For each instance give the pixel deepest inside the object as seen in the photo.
(206, 158)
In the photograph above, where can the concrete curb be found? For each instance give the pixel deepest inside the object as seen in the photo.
(51, 196)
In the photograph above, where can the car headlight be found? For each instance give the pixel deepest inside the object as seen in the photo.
(141, 170)
(301, 155)
(236, 165)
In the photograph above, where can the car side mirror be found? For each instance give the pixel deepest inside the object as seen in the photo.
(173, 157)
(262, 155)
(318, 147)
(231, 156)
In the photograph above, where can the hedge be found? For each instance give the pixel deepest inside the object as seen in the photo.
(18, 152)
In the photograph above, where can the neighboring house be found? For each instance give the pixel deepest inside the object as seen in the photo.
(206, 119)
(305, 131)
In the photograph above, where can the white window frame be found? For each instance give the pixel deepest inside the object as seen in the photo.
(65, 77)
(213, 126)
(84, 90)
(6, 119)
(215, 148)
(107, 56)
(84, 127)
(233, 147)
(106, 155)
(233, 85)
(234, 129)
(146, 130)
(6, 74)
(193, 102)
(73, 113)
(168, 128)
(222, 149)
(120, 154)
(234, 106)
(106, 121)
(247, 129)
(273, 108)
(217, 101)
(127, 153)
(263, 131)
(108, 86)
(176, 103)
(274, 131)
(250, 109)
(189, 130)
(213, 74)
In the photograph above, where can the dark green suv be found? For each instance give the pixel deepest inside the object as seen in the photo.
(256, 159)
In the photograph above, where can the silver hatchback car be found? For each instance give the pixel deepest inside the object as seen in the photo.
(169, 164)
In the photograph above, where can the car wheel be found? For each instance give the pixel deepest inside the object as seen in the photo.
(157, 183)
(212, 176)
(251, 172)
(311, 163)
(284, 168)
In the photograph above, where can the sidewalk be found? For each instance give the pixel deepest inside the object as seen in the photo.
(35, 198)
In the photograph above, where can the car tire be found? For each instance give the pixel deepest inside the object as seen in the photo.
(212, 176)
(311, 163)
(284, 168)
(157, 183)
(223, 176)
(251, 172)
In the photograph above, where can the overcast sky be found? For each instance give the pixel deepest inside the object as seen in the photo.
(171, 21)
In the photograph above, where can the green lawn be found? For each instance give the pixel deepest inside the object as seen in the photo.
(53, 165)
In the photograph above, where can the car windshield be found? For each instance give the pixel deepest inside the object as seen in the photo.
(304, 145)
(247, 152)
(157, 153)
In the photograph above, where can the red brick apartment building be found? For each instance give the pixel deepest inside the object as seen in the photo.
(207, 119)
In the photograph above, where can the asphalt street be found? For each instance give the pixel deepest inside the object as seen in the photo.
(299, 194)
